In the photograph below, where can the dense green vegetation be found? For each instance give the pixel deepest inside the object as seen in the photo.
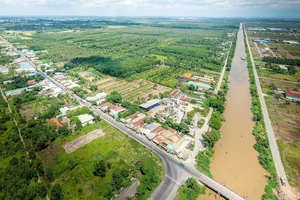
(150, 50)
(190, 190)
(18, 174)
(259, 131)
(284, 61)
(217, 103)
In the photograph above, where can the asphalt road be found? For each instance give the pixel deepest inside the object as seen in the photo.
(271, 136)
(174, 173)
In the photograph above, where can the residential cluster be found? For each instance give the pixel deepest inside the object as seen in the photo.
(169, 139)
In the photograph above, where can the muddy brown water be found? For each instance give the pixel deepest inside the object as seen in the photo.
(235, 161)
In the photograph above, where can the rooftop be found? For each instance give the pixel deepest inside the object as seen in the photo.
(117, 109)
(150, 103)
(202, 85)
(174, 93)
(292, 94)
(85, 118)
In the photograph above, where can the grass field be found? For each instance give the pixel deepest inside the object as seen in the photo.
(284, 114)
(285, 122)
(124, 51)
(137, 89)
(75, 171)
(285, 77)
(42, 103)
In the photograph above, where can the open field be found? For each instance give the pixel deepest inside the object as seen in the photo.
(135, 90)
(41, 104)
(283, 77)
(25, 33)
(285, 121)
(75, 171)
(124, 51)
(73, 145)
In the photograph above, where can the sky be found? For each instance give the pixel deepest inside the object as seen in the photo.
(196, 8)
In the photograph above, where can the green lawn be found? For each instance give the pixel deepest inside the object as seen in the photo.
(75, 171)
(291, 160)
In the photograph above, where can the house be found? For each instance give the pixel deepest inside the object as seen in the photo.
(290, 42)
(64, 111)
(283, 67)
(31, 82)
(199, 86)
(129, 118)
(97, 97)
(115, 111)
(292, 95)
(4, 70)
(175, 93)
(107, 106)
(32, 74)
(86, 119)
(25, 68)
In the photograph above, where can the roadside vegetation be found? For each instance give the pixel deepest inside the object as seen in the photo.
(100, 168)
(190, 190)
(259, 131)
(155, 53)
(278, 74)
(217, 102)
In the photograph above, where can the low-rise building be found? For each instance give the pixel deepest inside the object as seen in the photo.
(64, 111)
(31, 82)
(4, 70)
(25, 68)
(86, 119)
(153, 103)
(292, 95)
(175, 93)
(115, 111)
(283, 67)
(199, 86)
(97, 97)
(106, 107)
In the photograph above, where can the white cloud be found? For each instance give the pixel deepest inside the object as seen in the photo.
(163, 6)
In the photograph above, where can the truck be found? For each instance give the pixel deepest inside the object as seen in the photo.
(181, 163)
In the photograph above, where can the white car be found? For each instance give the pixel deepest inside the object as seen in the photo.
(282, 180)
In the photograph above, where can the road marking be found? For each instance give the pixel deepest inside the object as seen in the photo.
(173, 180)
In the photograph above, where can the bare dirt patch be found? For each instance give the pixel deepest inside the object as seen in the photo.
(72, 146)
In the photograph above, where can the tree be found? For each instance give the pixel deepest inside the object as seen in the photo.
(100, 168)
(215, 123)
(93, 87)
(114, 97)
(183, 128)
(56, 192)
(194, 101)
(64, 130)
(126, 104)
(49, 174)
(78, 125)
(211, 137)
(292, 70)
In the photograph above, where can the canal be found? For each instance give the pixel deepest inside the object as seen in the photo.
(235, 161)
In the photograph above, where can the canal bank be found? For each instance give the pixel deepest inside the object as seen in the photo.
(235, 160)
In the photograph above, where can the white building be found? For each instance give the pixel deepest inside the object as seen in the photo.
(86, 119)
(97, 97)
(4, 70)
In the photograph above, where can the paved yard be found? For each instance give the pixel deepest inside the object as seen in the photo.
(72, 146)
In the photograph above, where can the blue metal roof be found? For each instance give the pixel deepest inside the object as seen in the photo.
(151, 126)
